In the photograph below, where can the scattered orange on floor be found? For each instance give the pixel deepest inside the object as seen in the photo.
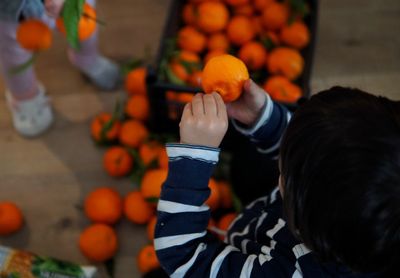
(11, 218)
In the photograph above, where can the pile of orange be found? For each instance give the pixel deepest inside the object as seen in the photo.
(267, 35)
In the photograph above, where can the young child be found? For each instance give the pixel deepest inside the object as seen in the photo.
(336, 212)
(26, 98)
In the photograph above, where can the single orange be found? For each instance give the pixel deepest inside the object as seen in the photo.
(253, 54)
(138, 107)
(213, 53)
(190, 39)
(189, 14)
(214, 199)
(133, 133)
(226, 75)
(102, 129)
(103, 205)
(136, 209)
(218, 41)
(295, 35)
(163, 158)
(98, 242)
(135, 81)
(11, 218)
(260, 5)
(240, 30)
(117, 161)
(34, 35)
(87, 23)
(147, 259)
(281, 89)
(286, 61)
(212, 17)
(236, 2)
(149, 152)
(152, 182)
(275, 16)
(246, 10)
(226, 220)
(226, 194)
(151, 227)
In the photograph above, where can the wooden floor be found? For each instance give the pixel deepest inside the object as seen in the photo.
(48, 177)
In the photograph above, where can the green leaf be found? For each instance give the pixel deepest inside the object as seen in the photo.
(131, 65)
(152, 200)
(236, 203)
(173, 78)
(299, 7)
(71, 14)
(24, 66)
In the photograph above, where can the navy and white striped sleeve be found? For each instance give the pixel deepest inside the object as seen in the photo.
(183, 245)
(267, 132)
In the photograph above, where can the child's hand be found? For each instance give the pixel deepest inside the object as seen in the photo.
(248, 107)
(204, 121)
(54, 7)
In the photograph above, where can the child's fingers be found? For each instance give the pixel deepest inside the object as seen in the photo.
(197, 105)
(210, 106)
(187, 111)
(221, 107)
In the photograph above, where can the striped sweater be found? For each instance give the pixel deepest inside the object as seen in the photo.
(258, 243)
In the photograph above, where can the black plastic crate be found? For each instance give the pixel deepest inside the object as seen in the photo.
(251, 173)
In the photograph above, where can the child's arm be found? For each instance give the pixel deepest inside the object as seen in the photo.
(183, 245)
(261, 119)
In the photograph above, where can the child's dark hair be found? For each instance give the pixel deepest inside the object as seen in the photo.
(340, 165)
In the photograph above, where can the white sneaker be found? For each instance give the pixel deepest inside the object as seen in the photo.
(31, 117)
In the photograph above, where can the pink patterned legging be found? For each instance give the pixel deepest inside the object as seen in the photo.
(24, 85)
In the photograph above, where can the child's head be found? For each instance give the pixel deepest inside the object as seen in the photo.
(340, 166)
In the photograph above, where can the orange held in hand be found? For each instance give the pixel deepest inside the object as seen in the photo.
(34, 35)
(103, 205)
(87, 23)
(147, 259)
(226, 75)
(98, 242)
(11, 219)
(117, 161)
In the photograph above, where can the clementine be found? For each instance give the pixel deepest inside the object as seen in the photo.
(104, 129)
(295, 35)
(135, 81)
(212, 17)
(34, 35)
(253, 54)
(136, 209)
(275, 15)
(149, 152)
(226, 75)
(133, 133)
(117, 161)
(98, 242)
(152, 182)
(286, 61)
(138, 107)
(214, 199)
(11, 219)
(281, 89)
(103, 205)
(147, 259)
(151, 227)
(240, 30)
(190, 39)
(218, 41)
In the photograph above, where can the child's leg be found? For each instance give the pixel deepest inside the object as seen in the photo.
(26, 98)
(23, 85)
(102, 72)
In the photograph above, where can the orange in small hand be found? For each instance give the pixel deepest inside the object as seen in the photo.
(103, 205)
(98, 242)
(138, 107)
(147, 259)
(226, 75)
(102, 122)
(11, 219)
(137, 209)
(133, 133)
(281, 89)
(135, 81)
(117, 161)
(152, 182)
(87, 23)
(34, 35)
(286, 61)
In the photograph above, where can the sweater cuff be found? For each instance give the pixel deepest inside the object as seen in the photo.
(262, 120)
